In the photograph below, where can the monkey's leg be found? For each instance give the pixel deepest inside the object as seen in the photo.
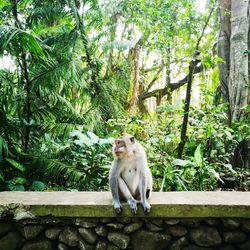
(113, 183)
(142, 189)
(126, 193)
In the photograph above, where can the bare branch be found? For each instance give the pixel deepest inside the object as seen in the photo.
(204, 28)
(156, 77)
(172, 86)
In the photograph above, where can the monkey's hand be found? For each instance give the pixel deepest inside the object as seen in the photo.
(117, 206)
(133, 205)
(146, 207)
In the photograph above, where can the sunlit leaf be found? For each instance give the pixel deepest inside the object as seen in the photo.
(198, 156)
(13, 187)
(230, 167)
(215, 174)
(16, 164)
(94, 138)
(179, 162)
(18, 180)
(106, 141)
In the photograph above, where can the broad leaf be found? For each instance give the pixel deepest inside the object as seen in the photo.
(106, 141)
(179, 162)
(198, 156)
(38, 186)
(12, 187)
(94, 138)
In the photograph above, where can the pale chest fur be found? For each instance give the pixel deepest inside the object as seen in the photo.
(130, 174)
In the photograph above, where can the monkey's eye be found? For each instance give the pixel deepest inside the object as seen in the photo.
(132, 139)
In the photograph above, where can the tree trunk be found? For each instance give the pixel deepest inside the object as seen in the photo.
(142, 107)
(235, 23)
(186, 108)
(224, 49)
(168, 79)
(110, 63)
(134, 79)
(239, 59)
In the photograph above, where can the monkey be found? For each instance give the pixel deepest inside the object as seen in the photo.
(130, 178)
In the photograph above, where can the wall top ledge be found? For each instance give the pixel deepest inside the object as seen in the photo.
(98, 204)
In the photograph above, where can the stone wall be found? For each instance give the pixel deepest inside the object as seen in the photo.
(124, 233)
(65, 220)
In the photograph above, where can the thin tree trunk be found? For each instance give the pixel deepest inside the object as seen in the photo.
(168, 78)
(186, 108)
(142, 107)
(110, 63)
(192, 67)
(134, 79)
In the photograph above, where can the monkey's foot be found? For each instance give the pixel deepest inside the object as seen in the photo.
(133, 205)
(117, 206)
(118, 210)
(146, 207)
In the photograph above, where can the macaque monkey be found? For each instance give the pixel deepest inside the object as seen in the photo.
(130, 178)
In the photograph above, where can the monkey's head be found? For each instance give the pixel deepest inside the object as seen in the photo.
(123, 146)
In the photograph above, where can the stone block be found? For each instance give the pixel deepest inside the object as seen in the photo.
(177, 231)
(53, 233)
(69, 236)
(179, 244)
(86, 222)
(101, 245)
(132, 227)
(205, 236)
(234, 237)
(37, 245)
(31, 231)
(88, 234)
(231, 223)
(119, 239)
(145, 240)
(101, 230)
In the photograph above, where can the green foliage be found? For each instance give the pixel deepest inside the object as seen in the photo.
(38, 186)
(82, 163)
(64, 96)
(14, 164)
(203, 166)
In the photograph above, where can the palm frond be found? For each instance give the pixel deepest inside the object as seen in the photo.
(54, 169)
(60, 129)
(13, 38)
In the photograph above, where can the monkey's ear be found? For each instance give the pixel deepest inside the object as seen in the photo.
(132, 139)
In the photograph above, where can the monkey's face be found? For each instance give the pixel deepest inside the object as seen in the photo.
(123, 146)
(119, 148)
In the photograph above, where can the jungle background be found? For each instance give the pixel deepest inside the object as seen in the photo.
(75, 74)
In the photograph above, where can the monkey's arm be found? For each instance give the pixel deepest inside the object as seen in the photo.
(128, 196)
(143, 185)
(113, 183)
